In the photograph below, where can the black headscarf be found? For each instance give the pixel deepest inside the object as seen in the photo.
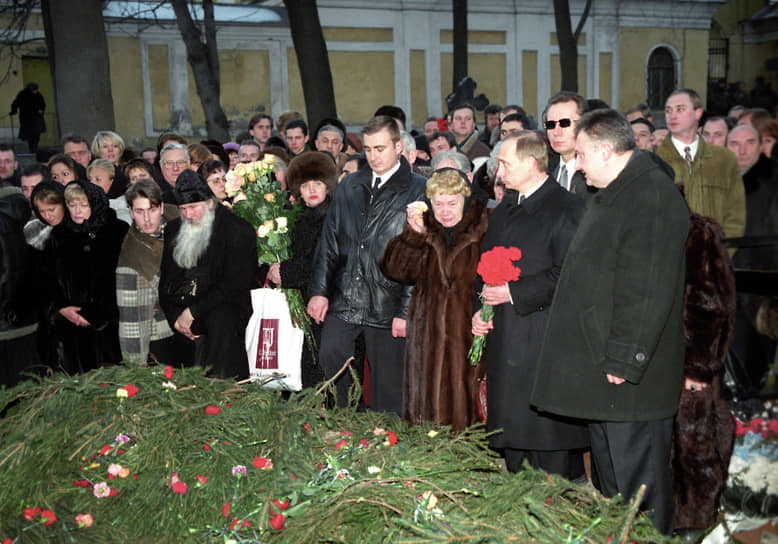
(98, 202)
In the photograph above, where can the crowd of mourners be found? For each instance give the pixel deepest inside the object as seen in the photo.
(612, 342)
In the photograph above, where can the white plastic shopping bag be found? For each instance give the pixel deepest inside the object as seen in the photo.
(274, 346)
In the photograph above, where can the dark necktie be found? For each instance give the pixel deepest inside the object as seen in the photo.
(376, 184)
(687, 156)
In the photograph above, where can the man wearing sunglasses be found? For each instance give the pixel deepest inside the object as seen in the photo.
(562, 112)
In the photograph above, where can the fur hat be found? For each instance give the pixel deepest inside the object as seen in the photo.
(311, 165)
(191, 187)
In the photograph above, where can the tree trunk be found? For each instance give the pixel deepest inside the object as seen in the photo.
(203, 57)
(568, 42)
(78, 55)
(312, 59)
(460, 43)
(568, 48)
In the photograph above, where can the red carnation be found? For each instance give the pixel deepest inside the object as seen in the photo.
(8, 540)
(206, 447)
(131, 390)
(281, 505)
(168, 372)
(234, 523)
(496, 268)
(391, 438)
(202, 479)
(277, 522)
(212, 410)
(30, 513)
(262, 463)
(226, 509)
(105, 449)
(340, 444)
(307, 426)
(48, 517)
(81, 483)
(364, 443)
(180, 488)
(112, 492)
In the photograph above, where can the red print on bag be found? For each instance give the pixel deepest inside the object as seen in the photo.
(267, 346)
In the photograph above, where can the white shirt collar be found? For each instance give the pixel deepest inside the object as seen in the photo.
(386, 175)
(680, 146)
(533, 189)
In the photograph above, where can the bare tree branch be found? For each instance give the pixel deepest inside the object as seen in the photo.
(582, 21)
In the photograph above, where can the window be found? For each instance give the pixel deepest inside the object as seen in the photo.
(661, 77)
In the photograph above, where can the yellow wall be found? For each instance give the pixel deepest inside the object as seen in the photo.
(351, 34)
(746, 61)
(296, 98)
(634, 46)
(556, 75)
(362, 81)
(160, 86)
(418, 89)
(126, 86)
(488, 71)
(529, 81)
(606, 70)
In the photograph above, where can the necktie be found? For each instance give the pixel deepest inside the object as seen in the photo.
(376, 184)
(687, 156)
(563, 177)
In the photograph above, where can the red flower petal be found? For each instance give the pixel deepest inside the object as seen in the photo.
(105, 449)
(110, 476)
(120, 452)
(180, 487)
(307, 426)
(8, 540)
(261, 462)
(48, 517)
(113, 492)
(30, 513)
(346, 433)
(281, 505)
(227, 442)
(81, 483)
(364, 443)
(391, 437)
(293, 477)
(226, 509)
(103, 385)
(135, 477)
(131, 390)
(168, 372)
(277, 522)
(234, 523)
(212, 410)
(340, 444)
(206, 447)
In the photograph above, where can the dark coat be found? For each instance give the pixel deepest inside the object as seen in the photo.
(30, 106)
(440, 385)
(296, 274)
(80, 264)
(541, 227)
(704, 429)
(619, 302)
(356, 231)
(220, 285)
(19, 290)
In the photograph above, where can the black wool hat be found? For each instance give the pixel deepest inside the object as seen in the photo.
(311, 165)
(191, 187)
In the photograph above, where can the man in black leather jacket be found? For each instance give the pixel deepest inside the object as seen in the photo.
(349, 293)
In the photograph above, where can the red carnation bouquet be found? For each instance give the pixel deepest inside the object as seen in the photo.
(495, 267)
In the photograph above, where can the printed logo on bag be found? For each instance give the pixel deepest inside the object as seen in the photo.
(267, 347)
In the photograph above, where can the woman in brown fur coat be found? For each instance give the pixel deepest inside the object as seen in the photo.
(704, 428)
(438, 253)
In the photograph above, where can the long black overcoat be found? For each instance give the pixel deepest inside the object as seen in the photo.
(542, 227)
(618, 308)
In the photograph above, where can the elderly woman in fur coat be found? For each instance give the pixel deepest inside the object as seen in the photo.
(438, 253)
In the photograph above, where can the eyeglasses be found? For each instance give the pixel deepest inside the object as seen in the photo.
(564, 123)
(171, 164)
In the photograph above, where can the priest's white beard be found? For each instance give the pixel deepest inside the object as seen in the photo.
(192, 240)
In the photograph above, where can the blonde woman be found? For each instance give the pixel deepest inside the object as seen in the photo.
(80, 269)
(438, 253)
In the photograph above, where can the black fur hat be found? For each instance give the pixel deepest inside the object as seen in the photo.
(191, 187)
(311, 165)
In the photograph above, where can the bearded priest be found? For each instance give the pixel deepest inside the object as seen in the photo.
(208, 270)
